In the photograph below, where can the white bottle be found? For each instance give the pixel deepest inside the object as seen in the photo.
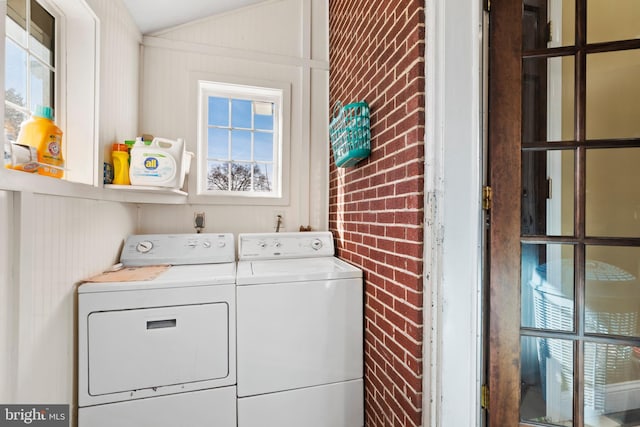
(158, 164)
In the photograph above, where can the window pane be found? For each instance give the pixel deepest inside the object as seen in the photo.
(41, 85)
(262, 177)
(241, 176)
(548, 99)
(613, 196)
(240, 113)
(611, 385)
(263, 146)
(218, 111)
(218, 147)
(547, 287)
(241, 145)
(16, 73)
(609, 21)
(547, 192)
(12, 120)
(613, 90)
(612, 290)
(547, 381)
(263, 118)
(17, 20)
(218, 176)
(42, 33)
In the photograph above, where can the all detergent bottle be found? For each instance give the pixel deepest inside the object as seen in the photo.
(41, 133)
(158, 164)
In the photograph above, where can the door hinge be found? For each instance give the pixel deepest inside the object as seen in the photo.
(484, 397)
(549, 32)
(487, 198)
(487, 5)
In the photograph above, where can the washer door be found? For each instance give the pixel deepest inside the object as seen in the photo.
(154, 347)
(298, 334)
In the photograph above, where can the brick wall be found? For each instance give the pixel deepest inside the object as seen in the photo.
(376, 208)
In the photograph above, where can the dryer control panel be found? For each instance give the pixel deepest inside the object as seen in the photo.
(285, 245)
(178, 249)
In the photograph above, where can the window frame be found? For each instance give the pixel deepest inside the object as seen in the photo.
(58, 68)
(256, 90)
(77, 83)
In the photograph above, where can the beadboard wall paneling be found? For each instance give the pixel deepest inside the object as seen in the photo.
(62, 241)
(119, 94)
(8, 303)
(221, 47)
(250, 28)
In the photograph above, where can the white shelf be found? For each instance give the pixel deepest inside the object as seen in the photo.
(11, 180)
(146, 189)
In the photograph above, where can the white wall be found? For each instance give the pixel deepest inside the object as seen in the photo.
(272, 41)
(119, 74)
(49, 243)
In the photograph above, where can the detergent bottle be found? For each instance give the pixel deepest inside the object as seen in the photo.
(120, 157)
(158, 164)
(41, 133)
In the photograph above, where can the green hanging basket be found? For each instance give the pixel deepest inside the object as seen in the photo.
(350, 133)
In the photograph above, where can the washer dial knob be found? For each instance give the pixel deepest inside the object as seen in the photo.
(316, 244)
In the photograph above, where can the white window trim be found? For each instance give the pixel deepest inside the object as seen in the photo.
(195, 185)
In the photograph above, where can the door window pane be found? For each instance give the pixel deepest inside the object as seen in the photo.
(613, 193)
(548, 99)
(609, 20)
(547, 381)
(538, 33)
(613, 90)
(548, 192)
(611, 385)
(547, 287)
(612, 290)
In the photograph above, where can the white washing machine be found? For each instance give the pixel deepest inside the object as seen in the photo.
(300, 333)
(161, 352)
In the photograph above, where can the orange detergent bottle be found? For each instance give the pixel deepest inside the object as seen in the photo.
(41, 133)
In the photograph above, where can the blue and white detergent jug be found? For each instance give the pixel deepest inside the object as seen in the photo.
(162, 163)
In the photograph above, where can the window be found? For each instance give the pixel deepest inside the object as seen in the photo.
(30, 52)
(240, 140)
(52, 59)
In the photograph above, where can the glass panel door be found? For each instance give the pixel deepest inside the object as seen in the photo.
(580, 213)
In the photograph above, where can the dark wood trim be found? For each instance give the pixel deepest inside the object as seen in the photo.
(505, 93)
(590, 143)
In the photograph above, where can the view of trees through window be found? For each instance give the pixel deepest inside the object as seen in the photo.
(240, 144)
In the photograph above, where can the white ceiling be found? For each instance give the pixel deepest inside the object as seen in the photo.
(155, 15)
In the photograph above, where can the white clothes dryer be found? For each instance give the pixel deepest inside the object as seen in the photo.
(300, 333)
(161, 352)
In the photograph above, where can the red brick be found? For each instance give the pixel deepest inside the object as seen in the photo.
(377, 54)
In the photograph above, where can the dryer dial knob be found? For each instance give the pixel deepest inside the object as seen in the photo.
(206, 244)
(144, 246)
(316, 244)
(262, 244)
(277, 244)
(221, 244)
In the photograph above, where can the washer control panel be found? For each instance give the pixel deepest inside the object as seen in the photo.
(285, 245)
(177, 249)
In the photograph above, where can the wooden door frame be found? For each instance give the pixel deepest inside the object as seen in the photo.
(504, 132)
